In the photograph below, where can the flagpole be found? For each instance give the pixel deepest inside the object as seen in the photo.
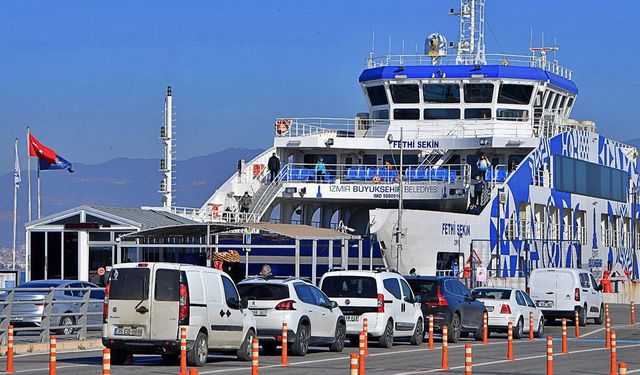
(15, 204)
(29, 174)
(38, 162)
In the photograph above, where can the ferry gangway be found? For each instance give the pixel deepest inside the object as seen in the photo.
(31, 310)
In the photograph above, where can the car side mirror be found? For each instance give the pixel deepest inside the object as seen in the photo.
(333, 304)
(233, 303)
(599, 287)
(417, 299)
(244, 302)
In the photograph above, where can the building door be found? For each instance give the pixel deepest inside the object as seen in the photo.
(99, 257)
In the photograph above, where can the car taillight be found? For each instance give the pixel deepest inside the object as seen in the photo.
(441, 300)
(183, 315)
(576, 296)
(380, 304)
(286, 305)
(505, 309)
(105, 306)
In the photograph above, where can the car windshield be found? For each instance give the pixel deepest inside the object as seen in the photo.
(350, 286)
(263, 292)
(492, 293)
(424, 288)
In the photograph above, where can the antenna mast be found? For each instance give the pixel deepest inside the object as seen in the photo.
(471, 48)
(166, 164)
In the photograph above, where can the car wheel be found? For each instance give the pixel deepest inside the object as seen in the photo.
(118, 356)
(268, 348)
(169, 359)
(518, 332)
(245, 350)
(67, 323)
(478, 335)
(418, 334)
(197, 356)
(600, 317)
(540, 332)
(301, 345)
(386, 340)
(338, 338)
(582, 316)
(454, 331)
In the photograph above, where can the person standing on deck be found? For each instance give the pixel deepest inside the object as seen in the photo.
(245, 202)
(321, 170)
(483, 165)
(274, 166)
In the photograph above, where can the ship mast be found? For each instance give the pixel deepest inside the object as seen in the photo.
(166, 164)
(471, 48)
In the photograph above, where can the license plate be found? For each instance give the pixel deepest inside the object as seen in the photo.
(259, 312)
(127, 331)
(544, 303)
(352, 318)
(489, 308)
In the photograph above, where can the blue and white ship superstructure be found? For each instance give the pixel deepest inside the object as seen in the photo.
(557, 193)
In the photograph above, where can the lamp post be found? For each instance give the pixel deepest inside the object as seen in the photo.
(399, 232)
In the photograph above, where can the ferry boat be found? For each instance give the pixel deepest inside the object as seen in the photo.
(554, 193)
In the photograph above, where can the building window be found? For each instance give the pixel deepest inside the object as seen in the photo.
(478, 92)
(377, 95)
(477, 113)
(442, 114)
(509, 114)
(515, 94)
(405, 93)
(406, 114)
(441, 93)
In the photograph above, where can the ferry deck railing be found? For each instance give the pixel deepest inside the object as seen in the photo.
(492, 59)
(376, 174)
(43, 321)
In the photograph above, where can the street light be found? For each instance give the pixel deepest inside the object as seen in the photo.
(399, 231)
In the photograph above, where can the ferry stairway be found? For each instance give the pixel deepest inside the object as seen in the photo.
(266, 194)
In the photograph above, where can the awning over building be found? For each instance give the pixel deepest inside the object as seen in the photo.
(293, 231)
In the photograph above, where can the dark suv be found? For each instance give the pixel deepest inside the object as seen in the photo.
(451, 304)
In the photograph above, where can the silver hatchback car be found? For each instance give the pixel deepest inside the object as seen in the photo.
(28, 312)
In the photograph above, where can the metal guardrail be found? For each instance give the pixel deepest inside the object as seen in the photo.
(492, 59)
(76, 307)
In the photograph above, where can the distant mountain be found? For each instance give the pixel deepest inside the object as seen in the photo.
(119, 182)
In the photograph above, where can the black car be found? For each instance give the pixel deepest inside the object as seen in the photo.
(451, 304)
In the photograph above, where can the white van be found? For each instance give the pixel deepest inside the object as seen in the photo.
(147, 303)
(383, 297)
(559, 292)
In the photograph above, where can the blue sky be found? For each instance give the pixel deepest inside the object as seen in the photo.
(89, 77)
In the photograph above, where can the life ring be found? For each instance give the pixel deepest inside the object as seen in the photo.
(215, 213)
(282, 126)
(376, 179)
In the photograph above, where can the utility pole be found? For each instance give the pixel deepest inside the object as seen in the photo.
(399, 231)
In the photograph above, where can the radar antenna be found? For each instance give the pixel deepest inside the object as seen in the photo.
(471, 48)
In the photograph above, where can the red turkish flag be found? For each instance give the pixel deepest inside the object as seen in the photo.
(41, 151)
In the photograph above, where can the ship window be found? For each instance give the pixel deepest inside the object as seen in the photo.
(569, 175)
(377, 95)
(477, 113)
(406, 114)
(382, 114)
(547, 102)
(515, 94)
(508, 114)
(478, 92)
(569, 104)
(442, 114)
(370, 159)
(405, 94)
(555, 101)
(442, 93)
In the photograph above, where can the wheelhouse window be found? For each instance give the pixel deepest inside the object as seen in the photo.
(405, 93)
(478, 92)
(377, 95)
(442, 114)
(441, 93)
(515, 94)
(509, 114)
(406, 114)
(382, 114)
(477, 113)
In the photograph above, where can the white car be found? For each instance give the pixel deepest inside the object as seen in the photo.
(312, 319)
(383, 297)
(509, 305)
(147, 304)
(561, 292)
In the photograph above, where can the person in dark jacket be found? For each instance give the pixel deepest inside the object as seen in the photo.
(274, 166)
(477, 190)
